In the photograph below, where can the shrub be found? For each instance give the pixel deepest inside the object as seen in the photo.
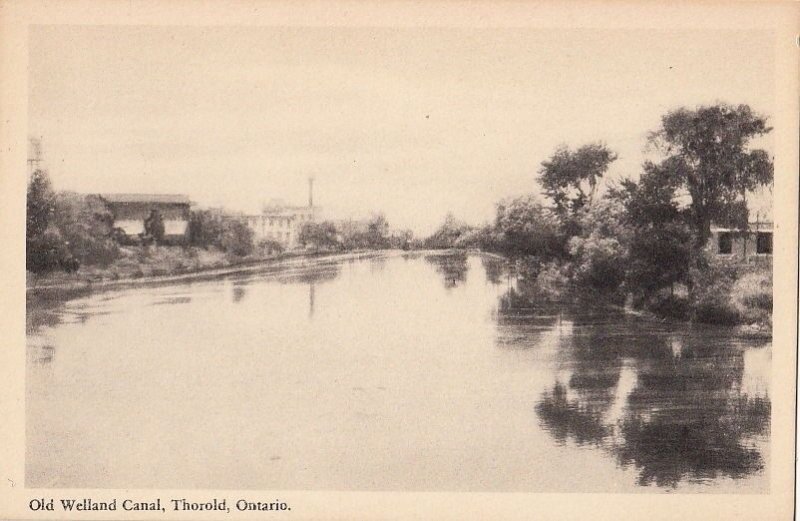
(754, 290)
(48, 252)
(528, 228)
(205, 228)
(270, 246)
(711, 295)
(670, 306)
(213, 229)
(451, 232)
(86, 226)
(598, 262)
(319, 235)
(237, 238)
(716, 312)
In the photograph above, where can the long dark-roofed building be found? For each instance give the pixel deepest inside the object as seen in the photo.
(131, 210)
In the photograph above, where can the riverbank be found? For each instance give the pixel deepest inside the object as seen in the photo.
(728, 294)
(166, 264)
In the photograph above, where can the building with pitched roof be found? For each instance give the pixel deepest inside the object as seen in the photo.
(130, 212)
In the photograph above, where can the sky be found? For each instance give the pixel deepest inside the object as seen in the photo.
(412, 122)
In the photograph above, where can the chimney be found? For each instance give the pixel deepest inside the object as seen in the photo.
(311, 192)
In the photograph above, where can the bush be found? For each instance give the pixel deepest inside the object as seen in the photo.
(670, 306)
(598, 262)
(716, 312)
(205, 228)
(754, 291)
(86, 226)
(48, 252)
(449, 234)
(237, 238)
(270, 247)
(528, 228)
(213, 229)
(711, 295)
(320, 236)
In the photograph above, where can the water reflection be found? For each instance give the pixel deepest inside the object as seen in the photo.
(496, 269)
(43, 354)
(452, 267)
(239, 292)
(172, 300)
(671, 404)
(377, 264)
(515, 395)
(311, 299)
(316, 274)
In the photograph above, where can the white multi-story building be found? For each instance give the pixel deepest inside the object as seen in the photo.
(280, 223)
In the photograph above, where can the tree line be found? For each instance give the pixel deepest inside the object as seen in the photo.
(642, 235)
(67, 230)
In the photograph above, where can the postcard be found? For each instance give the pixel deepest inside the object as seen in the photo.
(402, 260)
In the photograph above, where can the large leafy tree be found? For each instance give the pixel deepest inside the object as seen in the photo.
(448, 233)
(569, 178)
(707, 153)
(321, 235)
(658, 238)
(529, 229)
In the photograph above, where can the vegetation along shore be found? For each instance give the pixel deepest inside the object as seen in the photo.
(647, 241)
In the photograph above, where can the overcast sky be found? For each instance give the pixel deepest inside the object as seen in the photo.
(412, 122)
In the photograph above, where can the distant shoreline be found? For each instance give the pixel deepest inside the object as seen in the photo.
(54, 289)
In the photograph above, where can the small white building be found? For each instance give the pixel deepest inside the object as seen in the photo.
(742, 245)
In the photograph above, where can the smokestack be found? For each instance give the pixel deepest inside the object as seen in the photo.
(311, 192)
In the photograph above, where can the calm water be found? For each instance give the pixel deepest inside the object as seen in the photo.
(403, 372)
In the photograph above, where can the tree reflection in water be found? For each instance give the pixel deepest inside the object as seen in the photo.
(668, 400)
(496, 269)
(452, 266)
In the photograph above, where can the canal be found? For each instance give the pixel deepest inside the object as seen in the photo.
(396, 372)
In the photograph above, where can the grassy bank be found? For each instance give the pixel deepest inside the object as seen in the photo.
(139, 262)
(141, 265)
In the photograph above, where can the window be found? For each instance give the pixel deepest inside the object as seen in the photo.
(725, 243)
(764, 243)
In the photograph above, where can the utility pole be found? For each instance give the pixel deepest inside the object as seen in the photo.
(34, 154)
(311, 192)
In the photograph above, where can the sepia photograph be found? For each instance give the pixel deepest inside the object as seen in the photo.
(407, 258)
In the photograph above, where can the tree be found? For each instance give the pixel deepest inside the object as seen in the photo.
(236, 238)
(706, 153)
(214, 229)
(658, 238)
(378, 232)
(570, 178)
(41, 204)
(86, 225)
(45, 249)
(154, 226)
(448, 233)
(600, 253)
(205, 228)
(321, 235)
(529, 229)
